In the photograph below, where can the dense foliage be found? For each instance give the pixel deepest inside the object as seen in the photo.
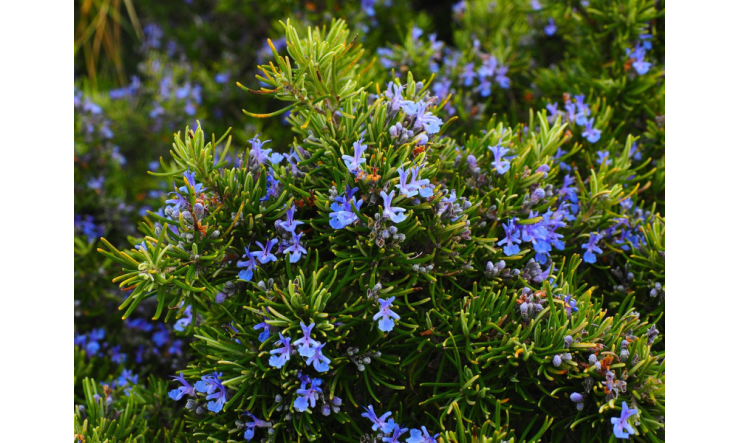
(401, 238)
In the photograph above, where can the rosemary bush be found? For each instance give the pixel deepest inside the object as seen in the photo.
(445, 242)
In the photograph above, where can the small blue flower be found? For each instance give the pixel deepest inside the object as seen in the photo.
(395, 430)
(550, 29)
(308, 396)
(265, 256)
(127, 378)
(266, 333)
(423, 186)
(280, 356)
(592, 248)
(291, 223)
(255, 423)
(216, 392)
(394, 214)
(186, 388)
(377, 422)
(296, 250)
(404, 189)
(342, 214)
(354, 163)
(386, 323)
(468, 75)
(603, 157)
(394, 93)
(249, 264)
(621, 428)
(570, 305)
(185, 321)
(318, 360)
(306, 344)
(590, 133)
(512, 238)
(500, 164)
(416, 436)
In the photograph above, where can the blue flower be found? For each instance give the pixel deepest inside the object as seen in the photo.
(416, 436)
(216, 392)
(354, 163)
(280, 356)
(249, 264)
(394, 93)
(396, 431)
(295, 250)
(265, 255)
(222, 77)
(185, 321)
(386, 323)
(592, 248)
(501, 165)
(259, 155)
(550, 29)
(394, 214)
(501, 78)
(591, 134)
(342, 214)
(468, 75)
(291, 223)
(377, 422)
(621, 428)
(423, 119)
(186, 388)
(271, 186)
(266, 333)
(306, 344)
(553, 110)
(308, 396)
(127, 378)
(424, 188)
(405, 190)
(318, 360)
(512, 237)
(582, 110)
(256, 423)
(570, 305)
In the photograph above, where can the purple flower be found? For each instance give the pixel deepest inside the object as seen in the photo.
(592, 248)
(550, 29)
(386, 323)
(394, 214)
(256, 423)
(377, 422)
(249, 264)
(306, 344)
(259, 155)
(423, 119)
(295, 250)
(501, 165)
(553, 111)
(318, 360)
(394, 93)
(591, 134)
(468, 75)
(621, 428)
(280, 356)
(512, 237)
(354, 163)
(416, 436)
(265, 256)
(501, 78)
(570, 305)
(186, 388)
(308, 396)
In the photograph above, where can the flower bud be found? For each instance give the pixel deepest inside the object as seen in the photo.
(557, 360)
(568, 341)
(576, 397)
